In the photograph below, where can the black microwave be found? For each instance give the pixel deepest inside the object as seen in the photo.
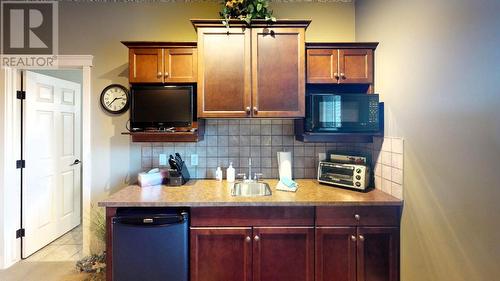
(342, 113)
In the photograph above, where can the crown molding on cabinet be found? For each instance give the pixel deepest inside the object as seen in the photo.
(289, 23)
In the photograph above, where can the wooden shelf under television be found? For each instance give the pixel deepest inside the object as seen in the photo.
(159, 136)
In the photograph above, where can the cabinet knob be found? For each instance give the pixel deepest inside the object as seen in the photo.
(166, 74)
(357, 217)
(342, 75)
(159, 73)
(353, 238)
(248, 239)
(247, 109)
(256, 238)
(361, 238)
(255, 110)
(336, 75)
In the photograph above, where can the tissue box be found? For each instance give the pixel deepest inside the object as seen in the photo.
(151, 178)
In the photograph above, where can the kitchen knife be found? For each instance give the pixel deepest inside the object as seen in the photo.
(179, 160)
(173, 164)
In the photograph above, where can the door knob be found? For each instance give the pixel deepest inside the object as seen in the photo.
(248, 239)
(159, 73)
(255, 110)
(361, 238)
(342, 75)
(76, 162)
(336, 75)
(247, 109)
(357, 217)
(256, 238)
(166, 74)
(353, 238)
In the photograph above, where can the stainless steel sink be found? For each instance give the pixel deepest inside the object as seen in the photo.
(250, 188)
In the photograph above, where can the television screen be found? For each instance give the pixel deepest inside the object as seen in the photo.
(161, 106)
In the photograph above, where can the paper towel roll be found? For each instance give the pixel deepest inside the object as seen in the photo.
(285, 165)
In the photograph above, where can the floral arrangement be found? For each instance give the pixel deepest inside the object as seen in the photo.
(94, 266)
(246, 10)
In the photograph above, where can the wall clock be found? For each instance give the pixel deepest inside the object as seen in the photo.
(115, 99)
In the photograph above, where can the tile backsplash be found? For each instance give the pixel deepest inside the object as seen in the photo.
(388, 160)
(236, 140)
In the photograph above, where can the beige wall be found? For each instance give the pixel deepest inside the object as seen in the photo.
(98, 28)
(437, 69)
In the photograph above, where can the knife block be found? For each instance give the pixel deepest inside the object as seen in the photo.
(177, 178)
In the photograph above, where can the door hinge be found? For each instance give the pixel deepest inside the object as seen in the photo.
(20, 233)
(20, 164)
(21, 95)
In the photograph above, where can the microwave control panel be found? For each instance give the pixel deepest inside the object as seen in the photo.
(373, 111)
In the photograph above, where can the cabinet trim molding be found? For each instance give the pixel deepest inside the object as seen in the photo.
(304, 23)
(342, 45)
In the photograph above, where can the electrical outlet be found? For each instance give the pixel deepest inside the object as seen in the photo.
(163, 160)
(194, 159)
(322, 156)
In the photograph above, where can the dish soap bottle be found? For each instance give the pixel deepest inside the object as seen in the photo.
(218, 174)
(230, 173)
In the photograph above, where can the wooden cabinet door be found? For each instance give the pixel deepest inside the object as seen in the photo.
(224, 88)
(378, 254)
(145, 65)
(335, 254)
(278, 72)
(221, 254)
(356, 66)
(322, 66)
(283, 254)
(181, 65)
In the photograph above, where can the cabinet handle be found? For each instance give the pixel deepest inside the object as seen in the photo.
(357, 217)
(342, 75)
(336, 75)
(248, 239)
(256, 238)
(247, 109)
(159, 73)
(255, 110)
(361, 238)
(353, 238)
(166, 74)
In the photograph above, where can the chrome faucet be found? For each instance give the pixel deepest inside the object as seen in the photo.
(249, 168)
(244, 177)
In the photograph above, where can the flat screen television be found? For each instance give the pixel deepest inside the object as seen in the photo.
(161, 107)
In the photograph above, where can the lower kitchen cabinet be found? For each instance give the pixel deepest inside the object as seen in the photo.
(357, 254)
(336, 254)
(357, 243)
(283, 253)
(331, 243)
(221, 253)
(264, 254)
(378, 254)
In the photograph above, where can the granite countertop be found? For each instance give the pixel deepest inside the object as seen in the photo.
(206, 193)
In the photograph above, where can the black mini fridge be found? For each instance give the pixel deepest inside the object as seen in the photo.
(150, 244)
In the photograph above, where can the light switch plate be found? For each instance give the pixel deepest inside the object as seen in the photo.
(194, 159)
(162, 160)
(322, 156)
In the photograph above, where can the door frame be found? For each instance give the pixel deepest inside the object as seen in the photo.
(10, 146)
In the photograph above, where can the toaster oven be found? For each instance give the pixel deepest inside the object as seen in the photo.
(345, 175)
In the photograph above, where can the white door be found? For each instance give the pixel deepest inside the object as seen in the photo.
(52, 143)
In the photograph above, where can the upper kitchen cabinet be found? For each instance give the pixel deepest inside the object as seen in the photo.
(224, 72)
(278, 72)
(162, 62)
(256, 71)
(340, 63)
